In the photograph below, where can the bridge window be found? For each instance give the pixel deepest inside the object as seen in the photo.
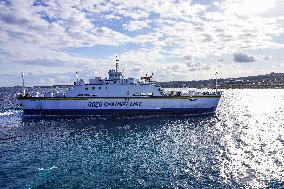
(93, 88)
(86, 88)
(136, 94)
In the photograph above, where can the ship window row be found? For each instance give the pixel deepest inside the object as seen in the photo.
(143, 94)
(93, 88)
(115, 75)
(86, 94)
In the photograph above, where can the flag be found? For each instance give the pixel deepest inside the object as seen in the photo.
(23, 74)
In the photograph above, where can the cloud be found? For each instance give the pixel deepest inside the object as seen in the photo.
(188, 58)
(197, 66)
(136, 25)
(267, 57)
(45, 62)
(161, 34)
(134, 13)
(241, 57)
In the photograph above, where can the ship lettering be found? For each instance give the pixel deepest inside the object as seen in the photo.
(95, 104)
(113, 104)
(135, 103)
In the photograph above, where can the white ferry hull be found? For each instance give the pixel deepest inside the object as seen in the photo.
(119, 105)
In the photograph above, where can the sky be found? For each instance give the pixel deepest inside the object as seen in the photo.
(51, 40)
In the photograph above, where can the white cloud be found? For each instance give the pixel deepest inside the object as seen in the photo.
(133, 13)
(136, 25)
(163, 31)
(197, 66)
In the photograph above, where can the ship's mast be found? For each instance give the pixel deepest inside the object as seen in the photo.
(116, 65)
(24, 88)
(216, 84)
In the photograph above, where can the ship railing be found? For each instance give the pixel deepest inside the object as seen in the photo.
(191, 93)
(41, 95)
(206, 93)
(26, 95)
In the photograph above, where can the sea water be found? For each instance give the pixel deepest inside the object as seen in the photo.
(241, 146)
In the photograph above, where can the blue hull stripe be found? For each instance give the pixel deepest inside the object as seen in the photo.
(119, 112)
(102, 98)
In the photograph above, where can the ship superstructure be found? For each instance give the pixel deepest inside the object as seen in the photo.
(115, 86)
(118, 95)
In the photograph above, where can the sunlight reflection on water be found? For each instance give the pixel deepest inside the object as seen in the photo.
(253, 123)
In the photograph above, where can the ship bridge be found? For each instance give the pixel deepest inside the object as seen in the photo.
(115, 74)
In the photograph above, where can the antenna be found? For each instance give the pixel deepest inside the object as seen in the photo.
(77, 75)
(122, 72)
(24, 88)
(216, 84)
(116, 65)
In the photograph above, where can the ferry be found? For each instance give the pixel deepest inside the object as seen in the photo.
(117, 95)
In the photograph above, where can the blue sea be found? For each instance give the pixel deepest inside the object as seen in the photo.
(241, 146)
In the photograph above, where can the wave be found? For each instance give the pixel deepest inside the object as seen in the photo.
(10, 113)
